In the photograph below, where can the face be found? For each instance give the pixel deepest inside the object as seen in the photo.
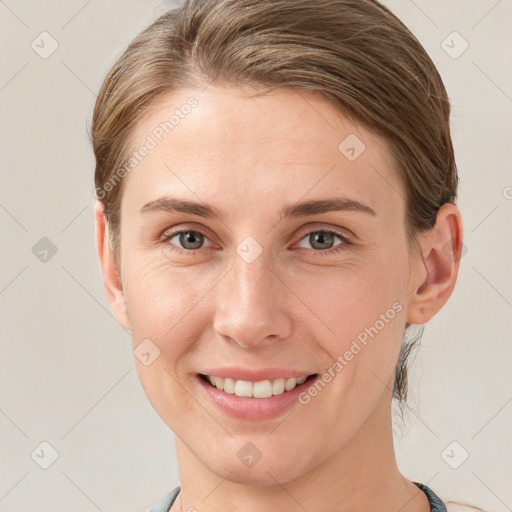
(292, 262)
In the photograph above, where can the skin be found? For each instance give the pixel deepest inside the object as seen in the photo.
(293, 307)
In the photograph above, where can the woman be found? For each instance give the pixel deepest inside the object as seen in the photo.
(276, 186)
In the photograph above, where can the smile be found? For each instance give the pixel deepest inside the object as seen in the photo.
(261, 389)
(251, 394)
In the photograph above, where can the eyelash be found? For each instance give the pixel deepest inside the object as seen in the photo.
(166, 237)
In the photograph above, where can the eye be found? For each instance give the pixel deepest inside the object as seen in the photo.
(324, 240)
(321, 242)
(189, 240)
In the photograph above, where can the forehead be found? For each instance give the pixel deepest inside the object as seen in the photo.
(257, 146)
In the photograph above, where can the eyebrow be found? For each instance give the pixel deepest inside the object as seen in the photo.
(303, 209)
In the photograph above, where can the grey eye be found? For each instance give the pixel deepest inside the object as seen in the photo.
(190, 240)
(321, 240)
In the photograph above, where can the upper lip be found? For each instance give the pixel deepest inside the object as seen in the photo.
(255, 375)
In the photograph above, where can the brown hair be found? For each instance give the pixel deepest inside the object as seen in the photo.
(356, 53)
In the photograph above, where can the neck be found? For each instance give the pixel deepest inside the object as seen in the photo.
(362, 475)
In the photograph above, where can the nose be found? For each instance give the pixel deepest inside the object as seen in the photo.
(252, 307)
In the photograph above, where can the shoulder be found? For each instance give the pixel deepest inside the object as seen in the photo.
(165, 504)
(440, 505)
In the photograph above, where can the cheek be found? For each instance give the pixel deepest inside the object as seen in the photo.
(166, 304)
(350, 298)
(362, 309)
(165, 307)
(152, 289)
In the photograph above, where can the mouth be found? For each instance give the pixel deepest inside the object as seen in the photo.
(259, 389)
(254, 400)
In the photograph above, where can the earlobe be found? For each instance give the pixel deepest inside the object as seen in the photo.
(435, 272)
(110, 273)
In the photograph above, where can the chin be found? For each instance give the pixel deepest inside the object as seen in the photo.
(257, 461)
(261, 474)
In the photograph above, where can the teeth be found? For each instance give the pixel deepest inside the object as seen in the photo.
(278, 387)
(243, 388)
(290, 384)
(229, 386)
(260, 389)
(219, 382)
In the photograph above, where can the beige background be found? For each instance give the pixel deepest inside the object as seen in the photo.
(67, 372)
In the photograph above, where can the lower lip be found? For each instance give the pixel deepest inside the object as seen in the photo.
(254, 408)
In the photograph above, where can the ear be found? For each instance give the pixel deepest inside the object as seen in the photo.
(435, 270)
(111, 275)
